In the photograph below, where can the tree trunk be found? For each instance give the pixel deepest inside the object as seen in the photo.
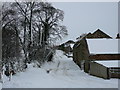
(46, 32)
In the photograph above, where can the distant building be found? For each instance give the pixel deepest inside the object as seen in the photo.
(98, 34)
(67, 46)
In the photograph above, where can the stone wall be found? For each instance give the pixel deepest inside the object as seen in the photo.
(99, 70)
(81, 54)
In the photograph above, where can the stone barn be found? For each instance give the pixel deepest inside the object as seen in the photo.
(88, 54)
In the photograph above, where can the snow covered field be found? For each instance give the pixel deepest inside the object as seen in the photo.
(64, 73)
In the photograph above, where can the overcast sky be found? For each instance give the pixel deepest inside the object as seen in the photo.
(85, 17)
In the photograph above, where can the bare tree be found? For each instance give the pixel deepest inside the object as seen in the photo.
(33, 25)
(50, 19)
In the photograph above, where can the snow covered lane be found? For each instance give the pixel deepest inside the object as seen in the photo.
(63, 73)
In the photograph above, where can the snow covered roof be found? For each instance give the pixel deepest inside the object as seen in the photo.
(103, 46)
(109, 63)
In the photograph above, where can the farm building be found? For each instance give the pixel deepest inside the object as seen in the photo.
(67, 47)
(98, 57)
(104, 52)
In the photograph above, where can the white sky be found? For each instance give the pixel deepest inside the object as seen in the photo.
(84, 17)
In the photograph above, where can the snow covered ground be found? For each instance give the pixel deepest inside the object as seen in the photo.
(64, 73)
